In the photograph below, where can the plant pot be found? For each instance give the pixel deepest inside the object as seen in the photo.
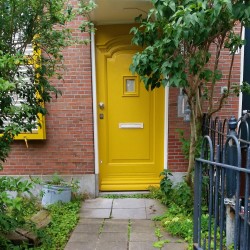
(53, 194)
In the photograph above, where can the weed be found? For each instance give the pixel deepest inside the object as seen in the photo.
(123, 196)
(129, 229)
(101, 227)
(158, 233)
(64, 218)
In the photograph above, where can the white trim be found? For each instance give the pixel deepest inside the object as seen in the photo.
(241, 73)
(94, 95)
(166, 127)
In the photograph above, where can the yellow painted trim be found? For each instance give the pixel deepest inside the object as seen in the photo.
(130, 93)
(40, 132)
(37, 134)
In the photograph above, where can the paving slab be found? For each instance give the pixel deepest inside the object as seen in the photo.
(103, 225)
(130, 213)
(98, 203)
(83, 237)
(154, 208)
(175, 246)
(113, 237)
(129, 203)
(121, 245)
(119, 226)
(149, 236)
(141, 246)
(95, 213)
(141, 226)
(80, 246)
(90, 221)
(87, 228)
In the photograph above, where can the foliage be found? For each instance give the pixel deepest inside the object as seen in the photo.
(179, 194)
(25, 77)
(165, 183)
(16, 205)
(178, 218)
(55, 236)
(185, 144)
(64, 219)
(57, 180)
(177, 39)
(12, 201)
(154, 193)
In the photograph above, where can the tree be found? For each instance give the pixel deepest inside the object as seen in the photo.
(177, 37)
(25, 77)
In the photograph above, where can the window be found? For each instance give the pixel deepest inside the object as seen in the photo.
(130, 86)
(39, 133)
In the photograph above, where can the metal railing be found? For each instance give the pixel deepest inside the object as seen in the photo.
(222, 186)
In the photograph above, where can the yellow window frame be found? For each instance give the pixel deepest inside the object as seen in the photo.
(40, 132)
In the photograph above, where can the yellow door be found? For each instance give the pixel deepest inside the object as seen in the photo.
(130, 119)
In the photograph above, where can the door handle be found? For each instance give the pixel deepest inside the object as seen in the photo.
(101, 105)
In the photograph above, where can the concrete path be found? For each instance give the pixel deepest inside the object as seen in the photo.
(120, 224)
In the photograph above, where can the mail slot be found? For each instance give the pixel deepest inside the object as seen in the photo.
(131, 125)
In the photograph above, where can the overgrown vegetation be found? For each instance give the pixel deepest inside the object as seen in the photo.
(178, 219)
(64, 219)
(17, 205)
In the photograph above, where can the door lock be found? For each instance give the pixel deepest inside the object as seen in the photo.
(101, 116)
(101, 105)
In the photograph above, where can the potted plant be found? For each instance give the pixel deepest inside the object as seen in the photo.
(57, 189)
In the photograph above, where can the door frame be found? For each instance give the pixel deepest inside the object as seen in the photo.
(95, 118)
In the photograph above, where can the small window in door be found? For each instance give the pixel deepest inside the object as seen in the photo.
(130, 86)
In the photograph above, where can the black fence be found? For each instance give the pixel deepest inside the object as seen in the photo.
(222, 186)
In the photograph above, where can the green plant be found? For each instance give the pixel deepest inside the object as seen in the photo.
(185, 144)
(27, 77)
(58, 180)
(182, 46)
(129, 229)
(160, 243)
(182, 196)
(16, 207)
(166, 183)
(65, 217)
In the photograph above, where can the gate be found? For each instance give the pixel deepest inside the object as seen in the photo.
(222, 186)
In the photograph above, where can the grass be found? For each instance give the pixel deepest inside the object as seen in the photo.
(153, 193)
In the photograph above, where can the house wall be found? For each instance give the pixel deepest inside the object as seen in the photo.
(176, 161)
(69, 147)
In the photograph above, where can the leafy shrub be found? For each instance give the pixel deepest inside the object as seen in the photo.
(13, 203)
(179, 194)
(166, 184)
(16, 205)
(182, 197)
(64, 218)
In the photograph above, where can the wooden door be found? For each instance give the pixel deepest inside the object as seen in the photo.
(130, 119)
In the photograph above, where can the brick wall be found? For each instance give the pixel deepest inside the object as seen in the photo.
(69, 147)
(176, 160)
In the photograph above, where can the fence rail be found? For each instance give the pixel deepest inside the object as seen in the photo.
(222, 186)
